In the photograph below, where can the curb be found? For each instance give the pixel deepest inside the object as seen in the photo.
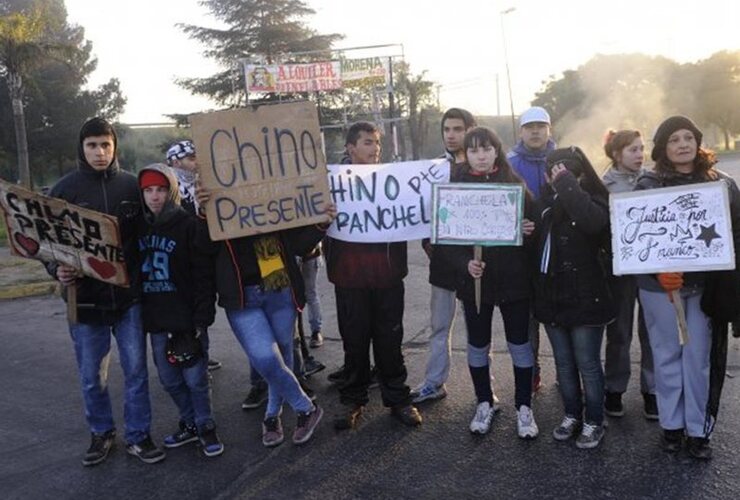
(28, 290)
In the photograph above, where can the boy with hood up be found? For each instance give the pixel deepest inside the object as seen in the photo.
(103, 309)
(178, 305)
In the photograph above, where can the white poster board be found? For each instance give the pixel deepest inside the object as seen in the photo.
(676, 229)
(478, 214)
(384, 203)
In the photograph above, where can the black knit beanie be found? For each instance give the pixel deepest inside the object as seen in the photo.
(670, 125)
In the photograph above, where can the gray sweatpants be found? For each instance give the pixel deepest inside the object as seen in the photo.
(443, 307)
(617, 364)
(681, 372)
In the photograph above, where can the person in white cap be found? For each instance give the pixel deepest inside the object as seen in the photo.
(528, 158)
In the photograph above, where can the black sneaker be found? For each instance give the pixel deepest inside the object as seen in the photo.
(650, 410)
(146, 450)
(100, 446)
(613, 404)
(698, 448)
(210, 443)
(256, 397)
(214, 364)
(312, 367)
(186, 434)
(407, 414)
(337, 376)
(671, 440)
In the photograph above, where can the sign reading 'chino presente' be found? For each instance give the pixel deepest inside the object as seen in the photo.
(52, 230)
(477, 214)
(682, 228)
(264, 168)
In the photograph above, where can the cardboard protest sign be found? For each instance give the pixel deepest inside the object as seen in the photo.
(477, 214)
(682, 228)
(52, 230)
(264, 168)
(385, 202)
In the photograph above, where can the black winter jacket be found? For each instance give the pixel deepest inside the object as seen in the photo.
(176, 273)
(507, 276)
(571, 283)
(235, 259)
(116, 193)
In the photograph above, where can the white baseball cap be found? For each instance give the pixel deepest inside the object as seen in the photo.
(534, 114)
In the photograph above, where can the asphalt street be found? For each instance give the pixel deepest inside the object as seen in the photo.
(44, 435)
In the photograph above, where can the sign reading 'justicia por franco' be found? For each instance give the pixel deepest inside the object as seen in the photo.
(676, 229)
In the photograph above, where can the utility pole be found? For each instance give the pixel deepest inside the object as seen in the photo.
(508, 73)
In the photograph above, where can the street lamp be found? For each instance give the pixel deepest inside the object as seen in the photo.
(508, 74)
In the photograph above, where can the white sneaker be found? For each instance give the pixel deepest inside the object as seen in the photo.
(526, 427)
(481, 422)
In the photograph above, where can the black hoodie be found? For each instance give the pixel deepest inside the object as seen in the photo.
(177, 275)
(114, 192)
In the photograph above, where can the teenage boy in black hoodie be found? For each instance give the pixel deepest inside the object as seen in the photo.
(103, 309)
(368, 285)
(178, 305)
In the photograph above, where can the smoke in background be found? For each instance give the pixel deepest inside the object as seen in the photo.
(636, 91)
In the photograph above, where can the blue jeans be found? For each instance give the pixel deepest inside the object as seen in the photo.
(264, 328)
(577, 354)
(310, 270)
(92, 349)
(188, 387)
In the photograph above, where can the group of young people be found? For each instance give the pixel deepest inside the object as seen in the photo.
(559, 277)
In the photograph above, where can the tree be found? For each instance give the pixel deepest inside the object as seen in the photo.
(718, 90)
(21, 46)
(55, 101)
(415, 98)
(270, 28)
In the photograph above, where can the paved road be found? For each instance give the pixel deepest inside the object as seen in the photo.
(43, 433)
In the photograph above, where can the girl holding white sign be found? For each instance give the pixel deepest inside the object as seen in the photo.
(505, 282)
(689, 376)
(573, 298)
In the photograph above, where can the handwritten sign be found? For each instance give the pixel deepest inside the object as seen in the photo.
(683, 228)
(364, 71)
(52, 230)
(477, 214)
(264, 167)
(385, 202)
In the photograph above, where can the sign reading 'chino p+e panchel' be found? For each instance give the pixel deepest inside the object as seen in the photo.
(682, 228)
(264, 168)
(477, 214)
(52, 230)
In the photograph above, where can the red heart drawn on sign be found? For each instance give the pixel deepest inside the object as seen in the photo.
(104, 269)
(29, 245)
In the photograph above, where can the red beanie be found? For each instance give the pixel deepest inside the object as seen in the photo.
(153, 178)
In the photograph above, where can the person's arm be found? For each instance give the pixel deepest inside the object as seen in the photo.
(589, 212)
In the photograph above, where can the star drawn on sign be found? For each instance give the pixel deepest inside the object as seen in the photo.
(708, 234)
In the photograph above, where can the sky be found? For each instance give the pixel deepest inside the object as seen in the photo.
(459, 44)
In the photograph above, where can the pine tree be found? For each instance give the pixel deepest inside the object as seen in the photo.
(270, 28)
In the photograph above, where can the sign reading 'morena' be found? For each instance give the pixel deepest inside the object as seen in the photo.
(264, 168)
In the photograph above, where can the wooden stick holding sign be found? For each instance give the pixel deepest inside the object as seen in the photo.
(477, 256)
(683, 327)
(72, 303)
